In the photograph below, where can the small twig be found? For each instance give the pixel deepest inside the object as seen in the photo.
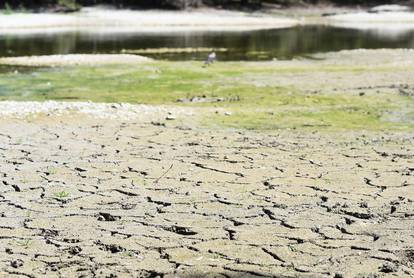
(166, 172)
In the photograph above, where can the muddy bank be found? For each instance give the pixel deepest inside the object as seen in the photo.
(162, 197)
(362, 89)
(74, 60)
(121, 111)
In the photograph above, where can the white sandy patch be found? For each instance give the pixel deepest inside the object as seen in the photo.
(390, 8)
(386, 30)
(365, 17)
(392, 23)
(125, 111)
(155, 20)
(73, 60)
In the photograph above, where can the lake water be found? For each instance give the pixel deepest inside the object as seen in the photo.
(251, 45)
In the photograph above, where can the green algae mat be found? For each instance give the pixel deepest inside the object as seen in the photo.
(347, 90)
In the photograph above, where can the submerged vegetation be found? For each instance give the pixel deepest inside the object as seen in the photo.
(254, 95)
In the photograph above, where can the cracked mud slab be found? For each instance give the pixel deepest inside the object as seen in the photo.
(87, 197)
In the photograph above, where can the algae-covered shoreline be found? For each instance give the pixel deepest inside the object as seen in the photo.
(343, 90)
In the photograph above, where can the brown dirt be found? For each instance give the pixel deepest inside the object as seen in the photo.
(86, 197)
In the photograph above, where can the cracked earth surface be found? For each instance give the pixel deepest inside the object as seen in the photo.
(85, 197)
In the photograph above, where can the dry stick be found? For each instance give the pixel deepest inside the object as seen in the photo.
(166, 172)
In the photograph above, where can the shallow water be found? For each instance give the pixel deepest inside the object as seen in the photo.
(251, 45)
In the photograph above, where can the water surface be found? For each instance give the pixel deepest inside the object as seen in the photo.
(250, 45)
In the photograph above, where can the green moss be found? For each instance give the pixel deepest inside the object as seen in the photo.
(329, 120)
(251, 106)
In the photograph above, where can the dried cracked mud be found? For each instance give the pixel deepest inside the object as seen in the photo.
(86, 197)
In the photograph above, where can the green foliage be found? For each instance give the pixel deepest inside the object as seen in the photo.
(62, 194)
(7, 9)
(70, 5)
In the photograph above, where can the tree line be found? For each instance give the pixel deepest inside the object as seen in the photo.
(69, 5)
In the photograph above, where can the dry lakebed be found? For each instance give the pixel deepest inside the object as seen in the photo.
(300, 168)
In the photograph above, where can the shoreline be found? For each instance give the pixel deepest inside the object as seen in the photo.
(73, 60)
(99, 20)
(359, 56)
(90, 19)
(359, 87)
